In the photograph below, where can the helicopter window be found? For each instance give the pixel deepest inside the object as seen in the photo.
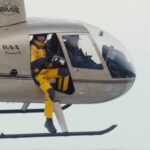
(82, 52)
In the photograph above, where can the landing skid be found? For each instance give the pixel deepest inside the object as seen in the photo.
(58, 109)
(15, 111)
(39, 135)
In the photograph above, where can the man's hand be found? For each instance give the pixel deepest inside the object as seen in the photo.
(58, 59)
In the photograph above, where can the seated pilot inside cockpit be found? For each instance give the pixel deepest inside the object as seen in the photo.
(77, 57)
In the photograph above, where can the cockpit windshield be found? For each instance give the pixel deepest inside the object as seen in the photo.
(118, 64)
(114, 53)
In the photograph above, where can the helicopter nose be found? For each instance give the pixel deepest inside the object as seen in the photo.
(118, 88)
(127, 85)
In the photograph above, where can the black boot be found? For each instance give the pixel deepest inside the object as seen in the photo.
(50, 126)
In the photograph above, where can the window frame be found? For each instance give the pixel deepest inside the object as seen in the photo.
(84, 73)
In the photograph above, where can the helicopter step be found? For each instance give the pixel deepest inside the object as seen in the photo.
(61, 134)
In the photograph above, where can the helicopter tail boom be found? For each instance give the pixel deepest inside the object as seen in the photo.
(12, 12)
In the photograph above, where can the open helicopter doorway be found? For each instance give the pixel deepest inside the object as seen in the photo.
(54, 51)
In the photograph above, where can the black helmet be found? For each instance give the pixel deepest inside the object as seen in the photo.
(36, 35)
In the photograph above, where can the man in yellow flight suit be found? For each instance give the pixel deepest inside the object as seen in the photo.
(44, 69)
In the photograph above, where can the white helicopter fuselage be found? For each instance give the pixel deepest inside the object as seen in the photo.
(90, 85)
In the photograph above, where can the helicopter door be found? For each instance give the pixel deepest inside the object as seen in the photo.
(83, 58)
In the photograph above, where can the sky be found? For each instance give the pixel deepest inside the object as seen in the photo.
(128, 21)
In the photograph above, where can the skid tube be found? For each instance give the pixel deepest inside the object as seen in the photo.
(63, 134)
(13, 111)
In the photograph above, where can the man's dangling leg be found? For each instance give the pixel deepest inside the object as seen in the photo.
(48, 111)
(49, 96)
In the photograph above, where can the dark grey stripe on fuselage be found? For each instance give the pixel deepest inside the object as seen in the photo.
(28, 77)
(18, 77)
(102, 81)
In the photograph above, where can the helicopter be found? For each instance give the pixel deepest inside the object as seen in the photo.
(103, 72)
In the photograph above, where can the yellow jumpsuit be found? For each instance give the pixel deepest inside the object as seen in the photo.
(43, 75)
